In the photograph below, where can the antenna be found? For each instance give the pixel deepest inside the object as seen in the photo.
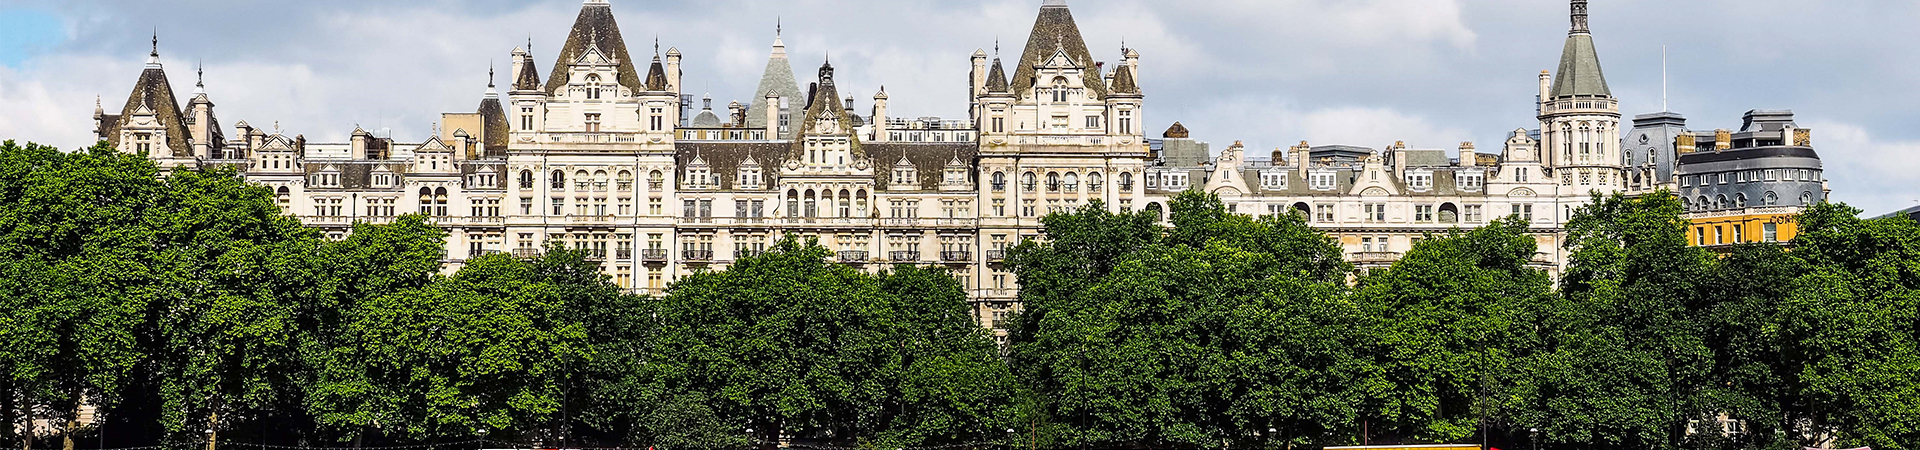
(1663, 79)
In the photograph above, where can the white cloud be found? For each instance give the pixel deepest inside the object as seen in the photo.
(1870, 173)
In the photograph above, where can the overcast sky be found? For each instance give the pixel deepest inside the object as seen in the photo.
(1271, 73)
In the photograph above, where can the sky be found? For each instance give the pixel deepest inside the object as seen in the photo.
(1269, 73)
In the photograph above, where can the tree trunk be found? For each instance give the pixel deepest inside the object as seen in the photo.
(27, 442)
(7, 418)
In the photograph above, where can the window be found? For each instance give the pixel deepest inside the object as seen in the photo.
(383, 180)
(593, 123)
(1093, 122)
(1525, 212)
(559, 206)
(1126, 122)
(1770, 233)
(593, 87)
(999, 181)
(1719, 235)
(1027, 182)
(1420, 181)
(558, 180)
(526, 119)
(1520, 174)
(999, 207)
(1320, 181)
(1700, 236)
(657, 119)
(1323, 213)
(1376, 212)
(1474, 214)
(1095, 183)
(1126, 182)
(1471, 181)
(1423, 213)
(1273, 180)
(1060, 90)
(999, 124)
(526, 179)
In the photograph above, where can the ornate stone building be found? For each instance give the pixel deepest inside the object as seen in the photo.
(597, 155)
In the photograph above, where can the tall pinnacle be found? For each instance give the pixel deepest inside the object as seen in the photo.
(1580, 17)
(153, 59)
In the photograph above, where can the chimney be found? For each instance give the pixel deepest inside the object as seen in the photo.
(1302, 158)
(360, 144)
(1399, 152)
(1468, 157)
(880, 115)
(773, 115)
(736, 114)
(1722, 139)
(673, 70)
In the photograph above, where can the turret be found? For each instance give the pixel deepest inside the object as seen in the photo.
(673, 70)
(879, 118)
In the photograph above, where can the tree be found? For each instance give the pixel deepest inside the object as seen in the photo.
(485, 349)
(1623, 361)
(1754, 379)
(1448, 320)
(786, 343)
(1852, 322)
(73, 254)
(1198, 336)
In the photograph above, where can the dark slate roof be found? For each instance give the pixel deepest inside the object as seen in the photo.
(707, 119)
(997, 78)
(495, 119)
(1580, 73)
(725, 158)
(929, 160)
(1123, 80)
(595, 27)
(153, 90)
(109, 127)
(1177, 131)
(529, 77)
(656, 76)
(1427, 158)
(1054, 30)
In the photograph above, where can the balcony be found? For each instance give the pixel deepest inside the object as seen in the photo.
(956, 223)
(1374, 258)
(744, 254)
(696, 255)
(853, 256)
(653, 255)
(999, 187)
(625, 254)
(956, 257)
(527, 253)
(904, 256)
(996, 255)
(597, 220)
(901, 222)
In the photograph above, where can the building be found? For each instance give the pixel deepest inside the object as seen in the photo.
(599, 155)
(1736, 186)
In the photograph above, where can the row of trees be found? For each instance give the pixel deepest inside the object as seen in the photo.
(178, 303)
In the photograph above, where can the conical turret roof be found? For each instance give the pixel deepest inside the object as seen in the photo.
(1580, 73)
(778, 79)
(596, 28)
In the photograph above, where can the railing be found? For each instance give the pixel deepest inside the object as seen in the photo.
(625, 254)
(901, 222)
(744, 254)
(1755, 211)
(853, 256)
(590, 219)
(904, 256)
(591, 137)
(951, 256)
(956, 222)
(697, 255)
(1060, 140)
(996, 255)
(999, 187)
(653, 255)
(527, 253)
(1374, 257)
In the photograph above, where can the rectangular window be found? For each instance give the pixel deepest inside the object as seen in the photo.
(1473, 214)
(1376, 212)
(1525, 212)
(1093, 122)
(1323, 213)
(1770, 233)
(593, 123)
(1423, 213)
(559, 206)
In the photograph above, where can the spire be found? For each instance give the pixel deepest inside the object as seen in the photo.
(997, 78)
(200, 83)
(1580, 74)
(777, 81)
(153, 59)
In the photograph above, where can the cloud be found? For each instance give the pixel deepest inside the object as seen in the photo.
(1869, 173)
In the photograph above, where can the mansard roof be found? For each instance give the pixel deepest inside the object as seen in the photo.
(1053, 31)
(154, 93)
(596, 28)
(726, 158)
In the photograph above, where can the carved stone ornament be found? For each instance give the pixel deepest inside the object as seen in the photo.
(793, 164)
(861, 165)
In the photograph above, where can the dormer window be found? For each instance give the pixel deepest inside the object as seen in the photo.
(383, 180)
(698, 177)
(327, 179)
(904, 176)
(1320, 181)
(1060, 89)
(750, 178)
(1471, 181)
(143, 142)
(593, 87)
(1420, 181)
(1273, 180)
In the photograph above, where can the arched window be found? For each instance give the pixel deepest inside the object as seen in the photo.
(1740, 201)
(1771, 199)
(1653, 157)
(813, 204)
(1154, 208)
(440, 202)
(846, 203)
(580, 180)
(284, 197)
(1072, 180)
(1702, 204)
(1060, 89)
(558, 179)
(860, 202)
(1027, 181)
(426, 201)
(1053, 182)
(655, 181)
(626, 181)
(1806, 199)
(593, 87)
(1095, 182)
(526, 179)
(999, 181)
(1126, 181)
(793, 203)
(600, 180)
(1686, 204)
(1720, 201)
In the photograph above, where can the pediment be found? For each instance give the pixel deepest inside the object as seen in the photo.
(1059, 60)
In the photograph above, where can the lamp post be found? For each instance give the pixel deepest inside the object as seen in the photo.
(1533, 434)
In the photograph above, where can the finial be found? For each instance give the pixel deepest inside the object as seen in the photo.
(656, 46)
(489, 74)
(996, 46)
(156, 42)
(777, 25)
(201, 73)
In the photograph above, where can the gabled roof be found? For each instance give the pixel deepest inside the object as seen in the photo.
(1054, 30)
(152, 92)
(596, 28)
(825, 103)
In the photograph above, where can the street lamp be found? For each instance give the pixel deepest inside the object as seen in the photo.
(1534, 435)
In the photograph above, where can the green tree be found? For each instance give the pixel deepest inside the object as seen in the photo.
(1623, 360)
(786, 343)
(1213, 332)
(1753, 379)
(1449, 326)
(485, 349)
(1853, 323)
